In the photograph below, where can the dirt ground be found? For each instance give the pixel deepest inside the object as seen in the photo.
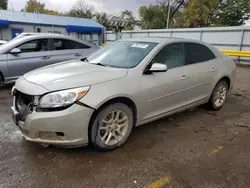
(195, 148)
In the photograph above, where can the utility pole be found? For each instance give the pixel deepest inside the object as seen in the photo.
(169, 7)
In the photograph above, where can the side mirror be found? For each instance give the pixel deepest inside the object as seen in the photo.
(158, 67)
(15, 51)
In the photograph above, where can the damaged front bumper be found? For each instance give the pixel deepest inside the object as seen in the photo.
(68, 127)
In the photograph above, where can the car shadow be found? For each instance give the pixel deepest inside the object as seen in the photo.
(6, 87)
(142, 137)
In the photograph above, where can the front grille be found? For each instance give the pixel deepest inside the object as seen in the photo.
(24, 104)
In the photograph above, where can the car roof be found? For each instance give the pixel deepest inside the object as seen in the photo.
(162, 40)
(37, 34)
(48, 35)
(40, 33)
(165, 40)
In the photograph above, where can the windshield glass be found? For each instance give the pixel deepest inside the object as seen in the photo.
(10, 43)
(122, 54)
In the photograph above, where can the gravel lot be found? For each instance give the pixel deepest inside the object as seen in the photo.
(195, 148)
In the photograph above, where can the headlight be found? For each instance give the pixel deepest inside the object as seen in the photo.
(62, 98)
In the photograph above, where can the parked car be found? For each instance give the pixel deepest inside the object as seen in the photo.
(2, 42)
(31, 52)
(31, 34)
(99, 99)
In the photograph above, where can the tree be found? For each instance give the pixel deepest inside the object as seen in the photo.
(82, 9)
(176, 6)
(35, 6)
(232, 12)
(127, 14)
(53, 12)
(4, 4)
(199, 13)
(103, 19)
(156, 16)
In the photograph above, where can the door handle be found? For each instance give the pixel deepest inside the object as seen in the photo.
(184, 77)
(45, 57)
(78, 54)
(214, 69)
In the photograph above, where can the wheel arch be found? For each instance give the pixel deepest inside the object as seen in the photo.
(227, 80)
(118, 99)
(1, 77)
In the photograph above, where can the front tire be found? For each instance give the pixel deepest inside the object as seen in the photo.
(111, 127)
(219, 96)
(1, 80)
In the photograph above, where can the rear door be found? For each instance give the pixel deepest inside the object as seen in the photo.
(65, 49)
(34, 54)
(200, 72)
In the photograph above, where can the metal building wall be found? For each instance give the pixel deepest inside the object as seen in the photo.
(7, 33)
(224, 38)
(47, 29)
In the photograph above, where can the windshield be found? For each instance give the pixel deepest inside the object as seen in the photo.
(122, 54)
(9, 43)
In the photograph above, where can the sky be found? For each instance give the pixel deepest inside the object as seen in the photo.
(109, 6)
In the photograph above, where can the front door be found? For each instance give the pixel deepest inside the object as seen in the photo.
(164, 92)
(34, 54)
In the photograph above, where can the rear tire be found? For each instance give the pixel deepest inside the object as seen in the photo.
(111, 127)
(219, 96)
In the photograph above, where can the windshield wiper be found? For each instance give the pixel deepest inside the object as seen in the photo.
(85, 59)
(100, 64)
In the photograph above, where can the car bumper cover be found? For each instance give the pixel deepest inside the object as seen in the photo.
(68, 127)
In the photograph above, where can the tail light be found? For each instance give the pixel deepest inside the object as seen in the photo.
(234, 64)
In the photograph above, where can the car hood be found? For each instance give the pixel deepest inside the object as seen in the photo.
(73, 74)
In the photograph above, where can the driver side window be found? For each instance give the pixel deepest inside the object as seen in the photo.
(35, 46)
(172, 55)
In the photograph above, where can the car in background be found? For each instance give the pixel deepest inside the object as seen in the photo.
(30, 34)
(27, 53)
(101, 98)
(2, 42)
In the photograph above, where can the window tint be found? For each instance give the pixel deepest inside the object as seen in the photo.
(35, 46)
(82, 46)
(62, 44)
(172, 55)
(196, 53)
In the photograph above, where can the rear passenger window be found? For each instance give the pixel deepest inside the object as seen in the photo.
(196, 53)
(82, 46)
(63, 44)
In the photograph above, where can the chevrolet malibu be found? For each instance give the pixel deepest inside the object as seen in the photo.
(99, 99)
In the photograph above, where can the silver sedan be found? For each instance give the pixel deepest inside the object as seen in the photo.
(2, 42)
(33, 51)
(99, 100)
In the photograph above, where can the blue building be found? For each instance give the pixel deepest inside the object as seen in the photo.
(13, 23)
